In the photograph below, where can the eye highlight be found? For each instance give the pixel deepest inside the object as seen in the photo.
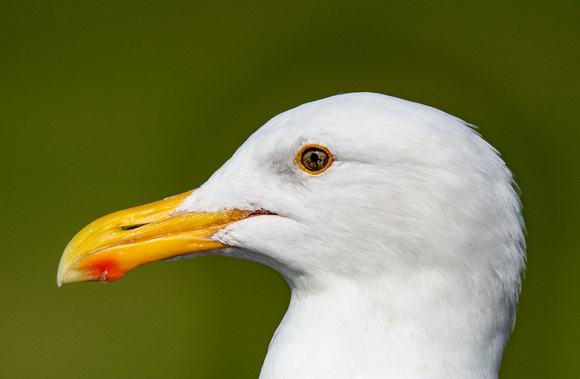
(314, 159)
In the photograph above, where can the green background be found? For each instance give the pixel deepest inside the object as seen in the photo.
(110, 104)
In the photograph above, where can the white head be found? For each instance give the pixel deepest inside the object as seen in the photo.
(412, 231)
(415, 208)
(411, 190)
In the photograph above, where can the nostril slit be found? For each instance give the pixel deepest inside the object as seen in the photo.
(129, 227)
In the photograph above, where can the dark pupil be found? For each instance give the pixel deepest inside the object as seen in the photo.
(314, 159)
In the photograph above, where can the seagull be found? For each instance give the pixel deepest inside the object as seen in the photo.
(397, 227)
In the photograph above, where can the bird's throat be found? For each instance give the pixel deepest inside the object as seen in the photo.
(354, 335)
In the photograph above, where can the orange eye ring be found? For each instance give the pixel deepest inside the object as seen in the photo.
(314, 159)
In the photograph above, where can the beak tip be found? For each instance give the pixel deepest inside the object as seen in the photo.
(60, 278)
(67, 273)
(62, 270)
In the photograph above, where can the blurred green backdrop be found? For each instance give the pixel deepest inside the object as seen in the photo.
(111, 104)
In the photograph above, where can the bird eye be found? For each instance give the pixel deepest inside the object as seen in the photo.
(314, 159)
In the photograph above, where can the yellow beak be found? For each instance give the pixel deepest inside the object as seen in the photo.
(114, 244)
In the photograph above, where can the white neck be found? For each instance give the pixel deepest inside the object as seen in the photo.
(350, 332)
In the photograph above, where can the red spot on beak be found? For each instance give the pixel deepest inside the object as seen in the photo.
(106, 269)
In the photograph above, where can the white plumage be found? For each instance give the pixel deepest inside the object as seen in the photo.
(397, 227)
(404, 256)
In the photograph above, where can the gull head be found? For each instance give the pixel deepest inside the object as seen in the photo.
(405, 190)
(398, 228)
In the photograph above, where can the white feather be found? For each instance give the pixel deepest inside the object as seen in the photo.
(404, 256)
